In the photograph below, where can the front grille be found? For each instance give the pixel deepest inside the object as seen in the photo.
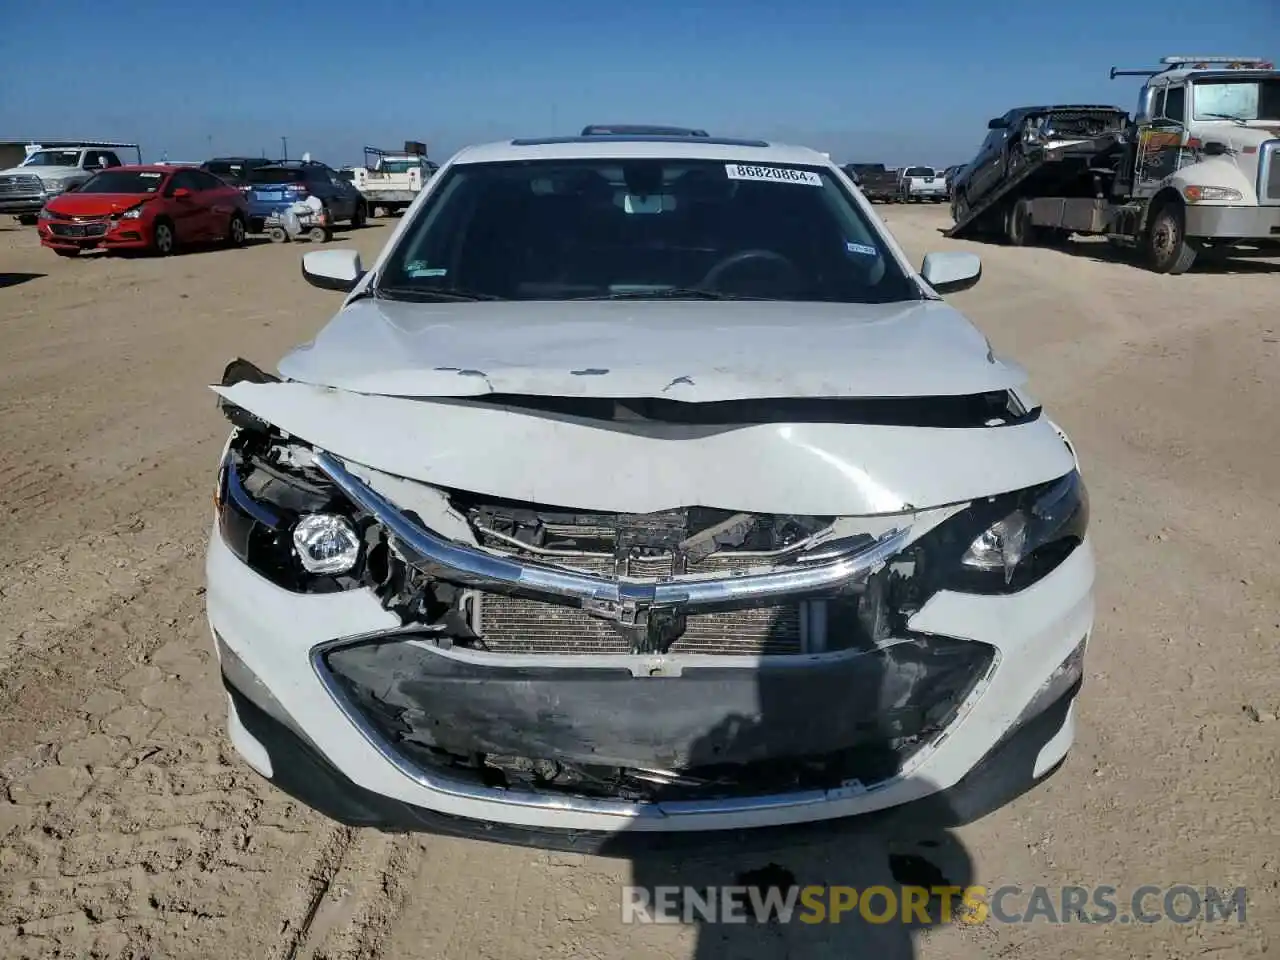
(1271, 161)
(79, 229)
(20, 186)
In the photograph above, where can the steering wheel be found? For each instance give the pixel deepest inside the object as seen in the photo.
(713, 277)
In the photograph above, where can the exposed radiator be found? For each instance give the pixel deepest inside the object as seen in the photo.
(511, 625)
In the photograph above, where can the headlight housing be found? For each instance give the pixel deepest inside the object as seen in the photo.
(133, 213)
(1005, 543)
(44, 214)
(1196, 193)
(53, 185)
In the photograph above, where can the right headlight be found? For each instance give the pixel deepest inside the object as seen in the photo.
(1004, 543)
(1046, 528)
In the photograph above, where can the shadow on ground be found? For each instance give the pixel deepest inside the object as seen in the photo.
(14, 279)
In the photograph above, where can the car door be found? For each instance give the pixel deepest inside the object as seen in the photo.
(215, 201)
(184, 208)
(345, 195)
(1161, 136)
(988, 165)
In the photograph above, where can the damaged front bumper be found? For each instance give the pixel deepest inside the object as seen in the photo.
(648, 742)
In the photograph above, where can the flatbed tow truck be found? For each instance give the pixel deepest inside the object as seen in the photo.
(1196, 172)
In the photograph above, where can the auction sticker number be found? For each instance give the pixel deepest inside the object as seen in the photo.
(743, 171)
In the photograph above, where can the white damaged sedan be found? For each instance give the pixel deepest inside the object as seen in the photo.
(641, 484)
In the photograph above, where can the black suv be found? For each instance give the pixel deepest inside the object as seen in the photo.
(1015, 137)
(234, 170)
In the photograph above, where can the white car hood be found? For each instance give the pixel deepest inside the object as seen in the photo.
(694, 351)
(398, 388)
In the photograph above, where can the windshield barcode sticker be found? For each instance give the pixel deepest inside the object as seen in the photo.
(742, 171)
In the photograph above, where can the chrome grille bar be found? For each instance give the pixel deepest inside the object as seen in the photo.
(604, 597)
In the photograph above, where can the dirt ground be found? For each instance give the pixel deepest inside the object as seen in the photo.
(130, 829)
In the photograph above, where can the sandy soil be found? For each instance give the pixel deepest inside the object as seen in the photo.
(130, 828)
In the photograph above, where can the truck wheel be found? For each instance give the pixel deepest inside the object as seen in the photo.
(959, 209)
(359, 218)
(1165, 243)
(1018, 228)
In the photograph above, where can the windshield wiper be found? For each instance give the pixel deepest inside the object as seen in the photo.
(427, 295)
(1225, 116)
(669, 293)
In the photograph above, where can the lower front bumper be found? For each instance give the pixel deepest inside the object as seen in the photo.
(22, 205)
(1232, 223)
(273, 636)
(299, 770)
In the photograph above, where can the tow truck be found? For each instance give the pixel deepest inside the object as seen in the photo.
(1196, 171)
(391, 180)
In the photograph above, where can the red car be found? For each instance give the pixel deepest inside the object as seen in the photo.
(155, 208)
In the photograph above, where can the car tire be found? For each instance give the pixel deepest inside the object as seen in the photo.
(163, 240)
(1164, 243)
(360, 217)
(27, 219)
(236, 231)
(960, 209)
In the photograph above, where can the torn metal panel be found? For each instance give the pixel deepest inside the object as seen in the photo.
(818, 469)
(702, 352)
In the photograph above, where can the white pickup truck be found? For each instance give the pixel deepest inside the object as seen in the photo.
(922, 183)
(392, 180)
(50, 170)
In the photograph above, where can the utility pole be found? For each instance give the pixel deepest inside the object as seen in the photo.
(284, 148)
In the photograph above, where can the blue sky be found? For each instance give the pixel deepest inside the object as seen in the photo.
(911, 82)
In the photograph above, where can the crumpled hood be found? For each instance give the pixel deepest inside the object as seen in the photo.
(695, 351)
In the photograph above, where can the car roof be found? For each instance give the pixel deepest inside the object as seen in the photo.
(151, 168)
(639, 147)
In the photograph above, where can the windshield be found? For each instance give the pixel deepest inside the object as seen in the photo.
(276, 175)
(398, 166)
(634, 229)
(124, 181)
(920, 171)
(1229, 99)
(53, 158)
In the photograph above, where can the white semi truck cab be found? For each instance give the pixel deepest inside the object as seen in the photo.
(1208, 143)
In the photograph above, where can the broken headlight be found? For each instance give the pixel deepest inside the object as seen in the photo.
(1045, 524)
(286, 520)
(1005, 543)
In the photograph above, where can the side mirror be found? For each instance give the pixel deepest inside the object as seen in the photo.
(72, 188)
(951, 272)
(998, 123)
(182, 193)
(332, 269)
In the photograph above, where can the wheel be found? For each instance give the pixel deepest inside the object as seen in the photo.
(162, 238)
(1165, 242)
(74, 252)
(236, 231)
(277, 235)
(318, 235)
(1018, 228)
(360, 217)
(27, 219)
(960, 209)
